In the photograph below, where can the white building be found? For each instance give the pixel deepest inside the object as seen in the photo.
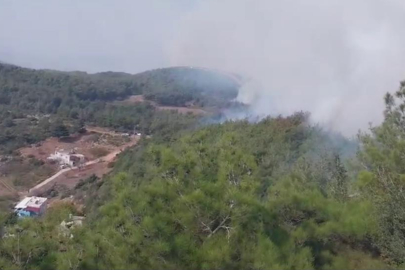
(31, 206)
(67, 158)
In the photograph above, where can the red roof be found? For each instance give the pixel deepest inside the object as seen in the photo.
(33, 209)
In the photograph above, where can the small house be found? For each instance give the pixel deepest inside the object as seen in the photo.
(31, 206)
(68, 158)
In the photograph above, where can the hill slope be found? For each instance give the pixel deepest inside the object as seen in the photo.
(47, 90)
(230, 196)
(31, 101)
(274, 194)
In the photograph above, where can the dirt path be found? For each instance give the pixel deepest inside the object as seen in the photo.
(101, 131)
(53, 177)
(108, 158)
(8, 187)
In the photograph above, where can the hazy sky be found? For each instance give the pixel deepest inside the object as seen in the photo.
(334, 58)
(91, 35)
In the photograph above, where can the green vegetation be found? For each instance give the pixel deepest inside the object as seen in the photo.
(271, 195)
(24, 173)
(183, 86)
(237, 195)
(276, 194)
(35, 104)
(60, 131)
(383, 180)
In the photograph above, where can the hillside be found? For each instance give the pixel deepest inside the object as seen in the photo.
(32, 101)
(44, 89)
(187, 85)
(279, 193)
(270, 195)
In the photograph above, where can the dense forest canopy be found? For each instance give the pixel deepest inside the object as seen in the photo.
(47, 91)
(279, 193)
(33, 101)
(271, 195)
(188, 85)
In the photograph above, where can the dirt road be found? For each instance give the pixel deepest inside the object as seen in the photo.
(108, 158)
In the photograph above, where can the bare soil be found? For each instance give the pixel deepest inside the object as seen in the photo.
(81, 144)
(96, 141)
(100, 168)
(71, 178)
(134, 99)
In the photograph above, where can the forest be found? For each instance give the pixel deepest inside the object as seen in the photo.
(34, 103)
(279, 193)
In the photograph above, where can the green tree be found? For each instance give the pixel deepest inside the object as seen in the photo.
(382, 181)
(60, 130)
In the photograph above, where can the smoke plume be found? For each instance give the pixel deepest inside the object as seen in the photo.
(332, 58)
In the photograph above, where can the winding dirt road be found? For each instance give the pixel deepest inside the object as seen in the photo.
(108, 158)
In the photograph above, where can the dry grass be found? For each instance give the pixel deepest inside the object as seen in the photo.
(24, 173)
(99, 152)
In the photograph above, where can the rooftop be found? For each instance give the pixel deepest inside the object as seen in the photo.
(63, 151)
(31, 202)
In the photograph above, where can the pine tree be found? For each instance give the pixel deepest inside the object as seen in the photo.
(60, 131)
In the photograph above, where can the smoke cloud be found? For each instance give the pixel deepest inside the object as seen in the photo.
(332, 58)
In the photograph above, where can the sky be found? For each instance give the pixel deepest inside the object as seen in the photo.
(333, 58)
(90, 35)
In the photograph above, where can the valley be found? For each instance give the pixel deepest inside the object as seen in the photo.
(93, 115)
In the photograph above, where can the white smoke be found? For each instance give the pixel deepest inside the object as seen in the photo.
(332, 58)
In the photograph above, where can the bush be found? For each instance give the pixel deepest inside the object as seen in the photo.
(111, 165)
(99, 152)
(36, 162)
(86, 181)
